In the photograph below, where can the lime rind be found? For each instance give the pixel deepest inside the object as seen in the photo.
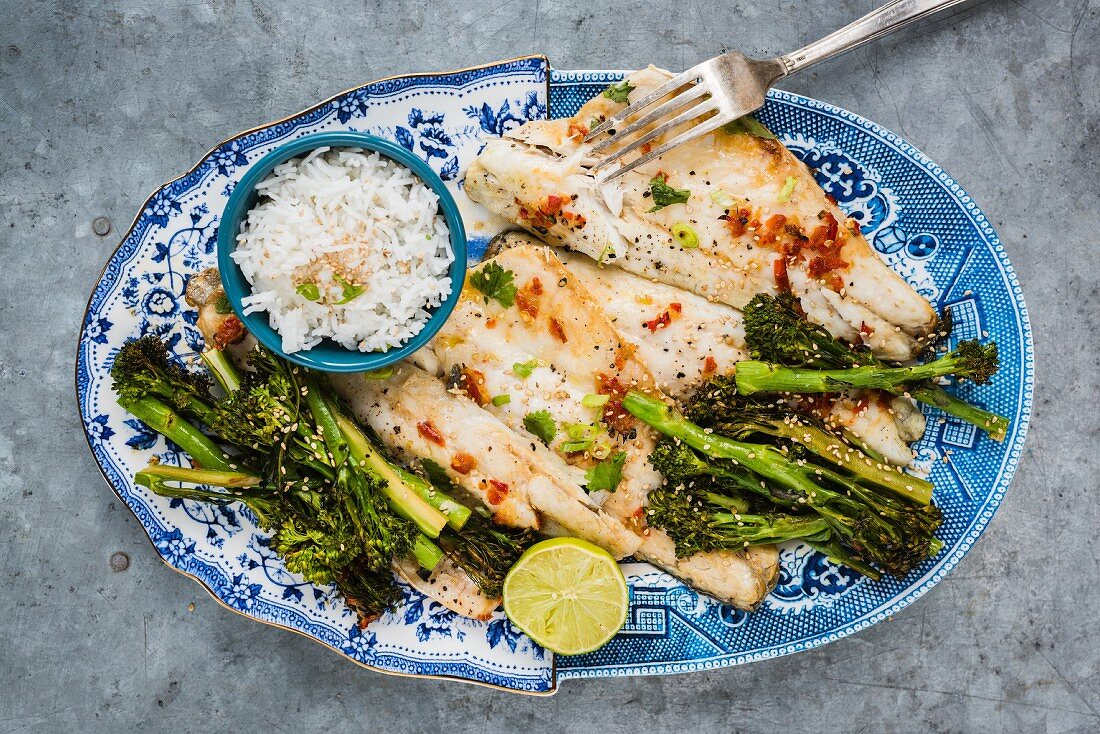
(567, 595)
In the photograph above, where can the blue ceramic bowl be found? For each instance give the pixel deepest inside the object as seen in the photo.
(329, 356)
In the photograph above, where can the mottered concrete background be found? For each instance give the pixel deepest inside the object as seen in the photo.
(102, 102)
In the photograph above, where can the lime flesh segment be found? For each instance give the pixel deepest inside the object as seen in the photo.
(567, 595)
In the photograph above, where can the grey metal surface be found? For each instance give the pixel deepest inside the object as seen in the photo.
(730, 86)
(100, 103)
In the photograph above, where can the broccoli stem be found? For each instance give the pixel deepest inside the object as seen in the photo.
(762, 459)
(403, 499)
(769, 462)
(242, 487)
(754, 376)
(167, 422)
(324, 416)
(747, 530)
(426, 553)
(158, 474)
(223, 369)
(734, 504)
(833, 450)
(457, 513)
(994, 425)
(840, 555)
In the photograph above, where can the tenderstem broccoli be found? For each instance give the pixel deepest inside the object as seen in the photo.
(719, 406)
(969, 360)
(776, 333)
(337, 509)
(142, 369)
(485, 551)
(863, 517)
(703, 522)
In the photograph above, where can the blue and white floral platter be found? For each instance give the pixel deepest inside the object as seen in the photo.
(920, 221)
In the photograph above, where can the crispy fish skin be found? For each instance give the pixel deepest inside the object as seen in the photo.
(683, 339)
(522, 486)
(558, 323)
(752, 236)
(450, 586)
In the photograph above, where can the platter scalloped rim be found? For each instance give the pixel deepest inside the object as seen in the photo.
(916, 216)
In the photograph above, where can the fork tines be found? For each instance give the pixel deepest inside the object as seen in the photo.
(691, 104)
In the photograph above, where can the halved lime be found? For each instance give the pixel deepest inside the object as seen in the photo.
(567, 595)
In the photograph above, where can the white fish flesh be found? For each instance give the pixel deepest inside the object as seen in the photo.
(750, 219)
(546, 352)
(683, 339)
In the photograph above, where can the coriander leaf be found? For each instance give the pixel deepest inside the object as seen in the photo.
(351, 291)
(496, 283)
(750, 126)
(664, 195)
(541, 424)
(606, 475)
(309, 291)
(524, 369)
(619, 92)
(222, 305)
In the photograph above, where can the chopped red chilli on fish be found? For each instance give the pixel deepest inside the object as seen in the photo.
(614, 414)
(779, 269)
(429, 432)
(664, 319)
(231, 331)
(527, 299)
(472, 382)
(463, 463)
(558, 330)
(496, 492)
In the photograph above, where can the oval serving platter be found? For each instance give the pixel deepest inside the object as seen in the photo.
(920, 221)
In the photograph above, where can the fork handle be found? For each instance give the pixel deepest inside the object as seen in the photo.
(877, 23)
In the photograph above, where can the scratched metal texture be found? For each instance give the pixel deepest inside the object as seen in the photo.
(101, 102)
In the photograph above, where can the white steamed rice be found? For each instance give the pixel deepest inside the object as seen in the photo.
(352, 216)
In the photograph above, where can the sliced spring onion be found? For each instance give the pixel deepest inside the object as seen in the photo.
(721, 198)
(500, 400)
(524, 369)
(685, 236)
(595, 401)
(382, 373)
(309, 291)
(572, 447)
(601, 451)
(350, 292)
(788, 188)
(580, 431)
(607, 250)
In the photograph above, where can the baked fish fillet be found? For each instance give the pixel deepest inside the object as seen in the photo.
(449, 585)
(683, 339)
(547, 351)
(761, 222)
(518, 480)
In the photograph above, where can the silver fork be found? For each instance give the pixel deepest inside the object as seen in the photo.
(733, 85)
